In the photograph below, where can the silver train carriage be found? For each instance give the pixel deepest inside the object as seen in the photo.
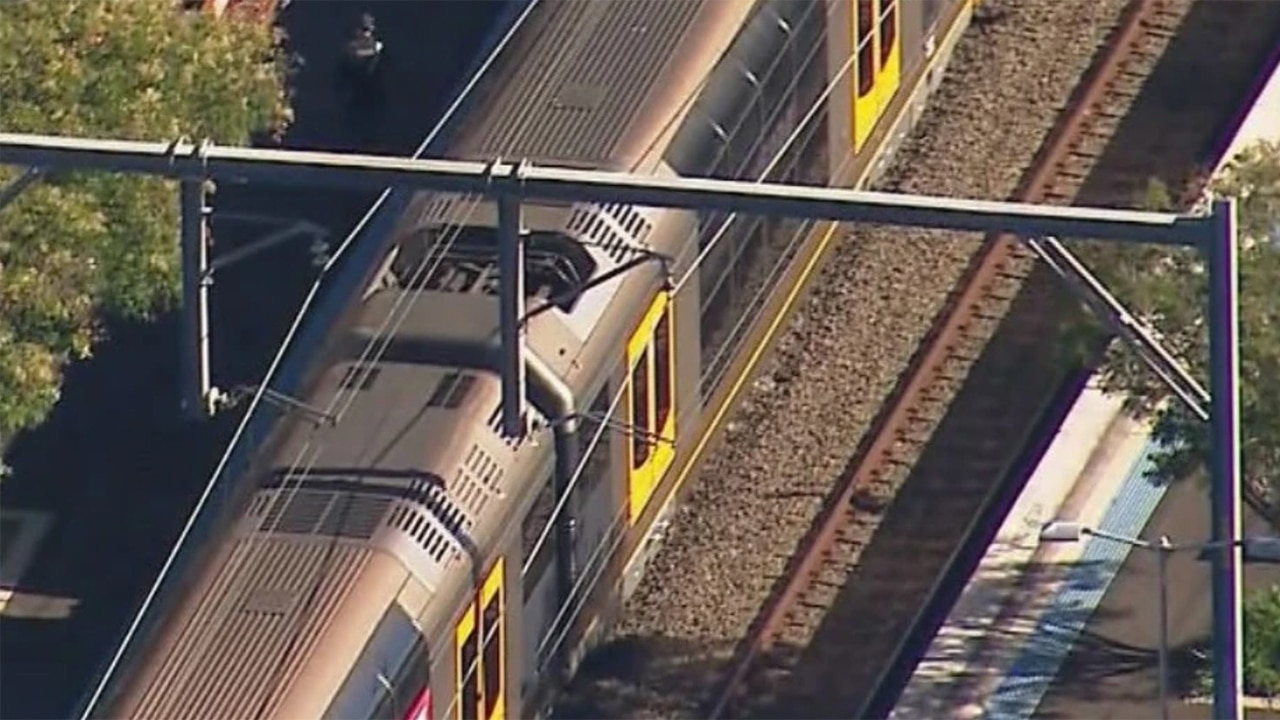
(410, 572)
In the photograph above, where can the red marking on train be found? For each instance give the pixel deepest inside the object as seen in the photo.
(421, 707)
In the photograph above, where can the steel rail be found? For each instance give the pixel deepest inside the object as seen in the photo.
(994, 262)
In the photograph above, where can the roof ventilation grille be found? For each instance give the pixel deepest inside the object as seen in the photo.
(354, 516)
(618, 230)
(296, 511)
(432, 519)
(269, 601)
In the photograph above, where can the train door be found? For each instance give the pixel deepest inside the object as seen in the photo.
(651, 401)
(481, 649)
(877, 66)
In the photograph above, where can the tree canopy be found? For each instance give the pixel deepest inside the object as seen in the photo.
(1261, 649)
(1262, 642)
(76, 246)
(1168, 288)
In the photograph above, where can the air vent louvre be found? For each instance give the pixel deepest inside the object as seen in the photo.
(434, 209)
(269, 601)
(616, 229)
(296, 511)
(354, 516)
(485, 471)
(427, 515)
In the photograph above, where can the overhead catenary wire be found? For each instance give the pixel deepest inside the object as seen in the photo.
(564, 624)
(692, 242)
(567, 614)
(296, 475)
(440, 649)
(277, 360)
(328, 266)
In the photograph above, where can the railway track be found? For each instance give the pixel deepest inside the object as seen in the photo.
(933, 462)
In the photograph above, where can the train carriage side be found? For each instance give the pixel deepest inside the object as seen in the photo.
(647, 361)
(413, 573)
(757, 102)
(616, 94)
(299, 612)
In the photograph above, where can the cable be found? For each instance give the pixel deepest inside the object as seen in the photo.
(293, 478)
(580, 598)
(328, 266)
(470, 672)
(276, 361)
(692, 239)
(365, 365)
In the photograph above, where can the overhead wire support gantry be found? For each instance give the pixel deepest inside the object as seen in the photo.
(1213, 232)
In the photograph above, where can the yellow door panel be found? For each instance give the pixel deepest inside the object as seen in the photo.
(647, 457)
(493, 583)
(663, 427)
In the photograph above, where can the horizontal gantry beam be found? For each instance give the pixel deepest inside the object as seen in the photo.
(183, 159)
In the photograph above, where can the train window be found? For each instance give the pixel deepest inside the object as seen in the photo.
(640, 410)
(469, 676)
(662, 374)
(594, 439)
(866, 46)
(744, 122)
(491, 668)
(492, 624)
(888, 29)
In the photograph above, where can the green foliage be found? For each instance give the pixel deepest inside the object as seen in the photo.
(76, 245)
(1262, 642)
(1261, 624)
(1167, 288)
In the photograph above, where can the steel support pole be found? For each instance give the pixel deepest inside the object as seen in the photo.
(195, 301)
(1221, 249)
(1163, 549)
(511, 310)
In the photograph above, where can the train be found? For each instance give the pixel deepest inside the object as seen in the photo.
(412, 560)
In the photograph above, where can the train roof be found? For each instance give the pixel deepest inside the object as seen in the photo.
(601, 84)
(416, 474)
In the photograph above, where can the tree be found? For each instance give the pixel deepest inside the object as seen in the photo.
(1168, 288)
(1262, 642)
(77, 247)
(1261, 649)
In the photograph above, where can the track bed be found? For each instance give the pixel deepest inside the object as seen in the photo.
(805, 429)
